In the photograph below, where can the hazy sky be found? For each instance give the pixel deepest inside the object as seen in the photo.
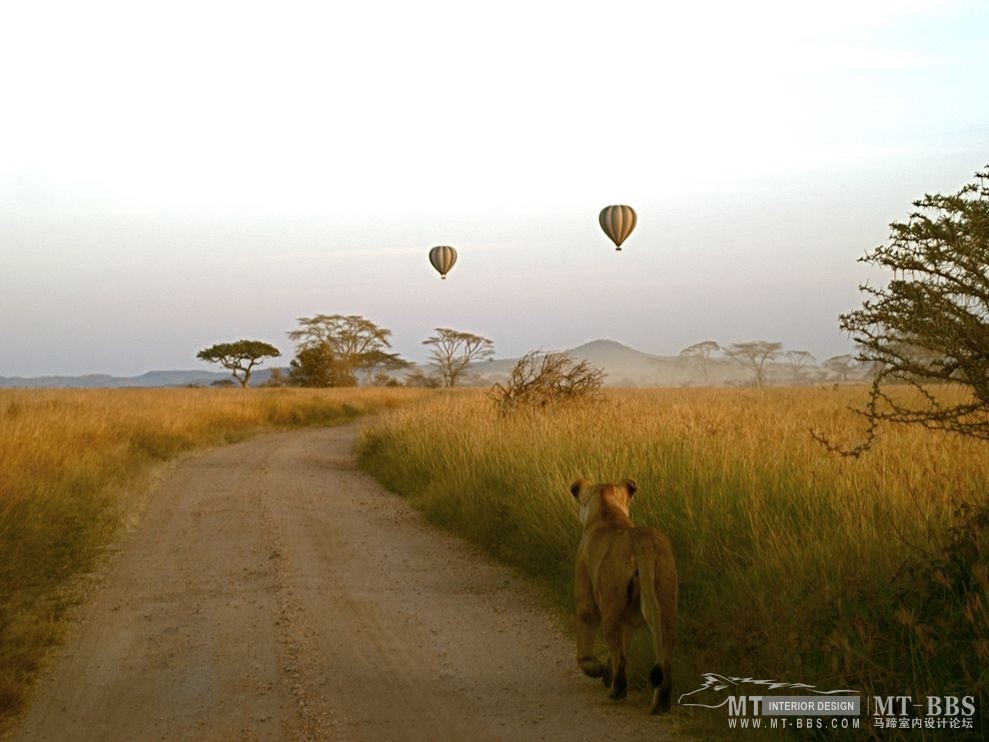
(178, 174)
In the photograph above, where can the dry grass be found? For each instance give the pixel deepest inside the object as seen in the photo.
(72, 463)
(796, 564)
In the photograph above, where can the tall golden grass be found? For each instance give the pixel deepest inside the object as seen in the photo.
(796, 564)
(72, 463)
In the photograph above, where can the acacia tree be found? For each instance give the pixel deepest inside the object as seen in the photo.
(454, 351)
(930, 324)
(336, 347)
(798, 361)
(239, 357)
(840, 365)
(754, 355)
(698, 356)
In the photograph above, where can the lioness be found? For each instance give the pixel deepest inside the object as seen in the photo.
(623, 571)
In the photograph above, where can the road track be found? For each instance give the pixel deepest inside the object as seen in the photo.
(271, 591)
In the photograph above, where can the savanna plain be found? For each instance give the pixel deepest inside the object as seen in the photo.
(796, 564)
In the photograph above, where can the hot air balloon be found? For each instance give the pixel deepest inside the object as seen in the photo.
(617, 221)
(443, 258)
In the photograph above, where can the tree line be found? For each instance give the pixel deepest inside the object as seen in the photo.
(335, 350)
(760, 356)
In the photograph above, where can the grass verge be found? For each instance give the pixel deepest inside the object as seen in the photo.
(71, 465)
(796, 565)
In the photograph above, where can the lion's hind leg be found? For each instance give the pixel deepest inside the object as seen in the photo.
(666, 589)
(616, 634)
(659, 608)
(588, 623)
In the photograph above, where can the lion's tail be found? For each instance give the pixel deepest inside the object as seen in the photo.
(658, 585)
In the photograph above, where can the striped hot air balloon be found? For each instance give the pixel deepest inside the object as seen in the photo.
(443, 258)
(617, 221)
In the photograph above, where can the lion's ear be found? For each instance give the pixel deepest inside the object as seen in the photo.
(577, 486)
(631, 487)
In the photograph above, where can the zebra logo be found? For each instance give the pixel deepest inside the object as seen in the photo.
(717, 690)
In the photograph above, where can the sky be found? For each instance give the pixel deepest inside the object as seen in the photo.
(174, 175)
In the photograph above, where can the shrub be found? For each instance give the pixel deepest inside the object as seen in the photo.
(542, 379)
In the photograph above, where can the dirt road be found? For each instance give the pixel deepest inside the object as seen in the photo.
(271, 591)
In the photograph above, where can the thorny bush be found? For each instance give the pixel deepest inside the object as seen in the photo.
(541, 379)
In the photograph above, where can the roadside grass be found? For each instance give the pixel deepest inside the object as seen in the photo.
(75, 463)
(796, 565)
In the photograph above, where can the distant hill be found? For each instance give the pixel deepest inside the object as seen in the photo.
(149, 379)
(616, 360)
(623, 366)
(626, 366)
